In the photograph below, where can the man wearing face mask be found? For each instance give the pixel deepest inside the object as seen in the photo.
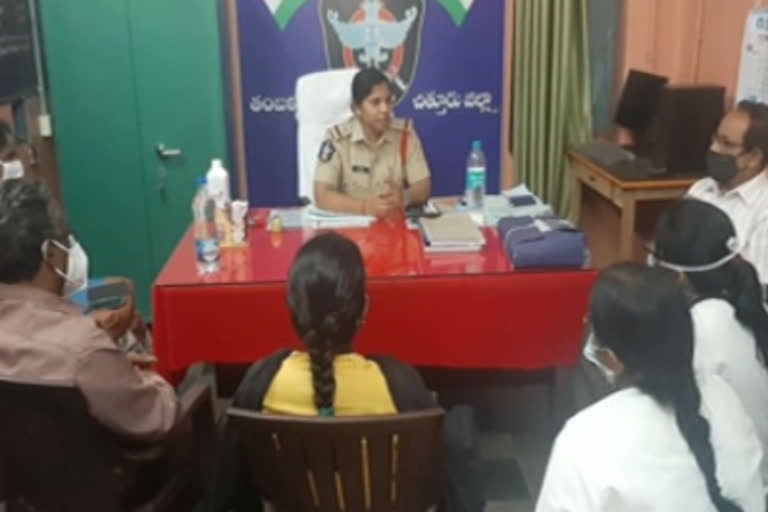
(10, 164)
(738, 182)
(47, 339)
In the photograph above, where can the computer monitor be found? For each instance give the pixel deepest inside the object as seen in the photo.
(682, 127)
(639, 99)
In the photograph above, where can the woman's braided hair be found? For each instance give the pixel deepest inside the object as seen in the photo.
(326, 296)
(642, 315)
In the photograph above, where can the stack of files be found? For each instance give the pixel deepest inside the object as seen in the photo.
(499, 207)
(451, 232)
(322, 219)
(525, 203)
(515, 202)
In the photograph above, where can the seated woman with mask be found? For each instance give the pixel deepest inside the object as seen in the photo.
(327, 302)
(667, 439)
(699, 241)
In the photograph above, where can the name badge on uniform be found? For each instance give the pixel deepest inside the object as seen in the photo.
(327, 150)
(361, 169)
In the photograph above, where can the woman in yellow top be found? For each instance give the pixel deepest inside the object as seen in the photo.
(328, 303)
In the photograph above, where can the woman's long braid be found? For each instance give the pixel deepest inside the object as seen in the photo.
(678, 388)
(321, 355)
(642, 315)
(326, 297)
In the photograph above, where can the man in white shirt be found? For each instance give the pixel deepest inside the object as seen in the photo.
(738, 180)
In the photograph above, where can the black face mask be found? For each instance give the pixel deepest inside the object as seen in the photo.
(721, 168)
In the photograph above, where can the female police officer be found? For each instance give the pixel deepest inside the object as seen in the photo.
(372, 164)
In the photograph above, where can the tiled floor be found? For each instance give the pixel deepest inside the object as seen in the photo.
(531, 457)
(520, 425)
(515, 417)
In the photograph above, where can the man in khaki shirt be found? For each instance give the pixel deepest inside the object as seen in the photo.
(371, 164)
(45, 338)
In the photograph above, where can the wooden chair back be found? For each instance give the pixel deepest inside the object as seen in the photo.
(344, 464)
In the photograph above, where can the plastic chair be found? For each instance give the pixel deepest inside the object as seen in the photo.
(322, 100)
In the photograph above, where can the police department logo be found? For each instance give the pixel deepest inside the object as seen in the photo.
(385, 34)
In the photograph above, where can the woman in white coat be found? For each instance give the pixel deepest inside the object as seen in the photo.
(666, 440)
(729, 319)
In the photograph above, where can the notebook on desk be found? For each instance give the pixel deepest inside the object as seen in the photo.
(452, 232)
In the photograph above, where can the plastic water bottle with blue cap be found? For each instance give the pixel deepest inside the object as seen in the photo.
(206, 235)
(475, 195)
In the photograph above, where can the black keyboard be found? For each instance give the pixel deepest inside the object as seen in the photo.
(632, 170)
(605, 154)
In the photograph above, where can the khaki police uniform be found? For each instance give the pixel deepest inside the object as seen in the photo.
(347, 162)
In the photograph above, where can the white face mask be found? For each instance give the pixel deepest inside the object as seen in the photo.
(732, 244)
(12, 169)
(590, 354)
(76, 277)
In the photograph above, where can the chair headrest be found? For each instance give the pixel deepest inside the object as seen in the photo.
(324, 97)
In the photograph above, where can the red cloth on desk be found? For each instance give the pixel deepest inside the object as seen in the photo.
(454, 310)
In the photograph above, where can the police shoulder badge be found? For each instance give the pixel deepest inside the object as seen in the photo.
(327, 149)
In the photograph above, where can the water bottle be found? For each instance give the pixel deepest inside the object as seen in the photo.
(206, 238)
(217, 179)
(475, 195)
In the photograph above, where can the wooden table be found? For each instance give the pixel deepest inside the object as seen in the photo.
(626, 194)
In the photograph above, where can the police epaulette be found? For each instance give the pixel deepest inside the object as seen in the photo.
(400, 124)
(339, 131)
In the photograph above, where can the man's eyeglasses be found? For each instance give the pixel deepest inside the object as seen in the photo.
(725, 143)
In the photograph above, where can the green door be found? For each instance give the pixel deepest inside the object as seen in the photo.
(126, 76)
(178, 67)
(96, 131)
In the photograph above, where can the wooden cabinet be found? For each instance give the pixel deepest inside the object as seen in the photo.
(625, 195)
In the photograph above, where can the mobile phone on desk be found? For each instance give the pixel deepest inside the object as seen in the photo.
(112, 295)
(522, 200)
(429, 210)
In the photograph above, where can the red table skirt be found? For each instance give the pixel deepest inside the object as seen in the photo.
(515, 320)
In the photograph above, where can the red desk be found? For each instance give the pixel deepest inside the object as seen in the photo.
(459, 310)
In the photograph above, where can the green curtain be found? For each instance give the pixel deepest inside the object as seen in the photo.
(551, 96)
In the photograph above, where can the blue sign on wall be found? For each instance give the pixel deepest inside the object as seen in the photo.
(445, 58)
